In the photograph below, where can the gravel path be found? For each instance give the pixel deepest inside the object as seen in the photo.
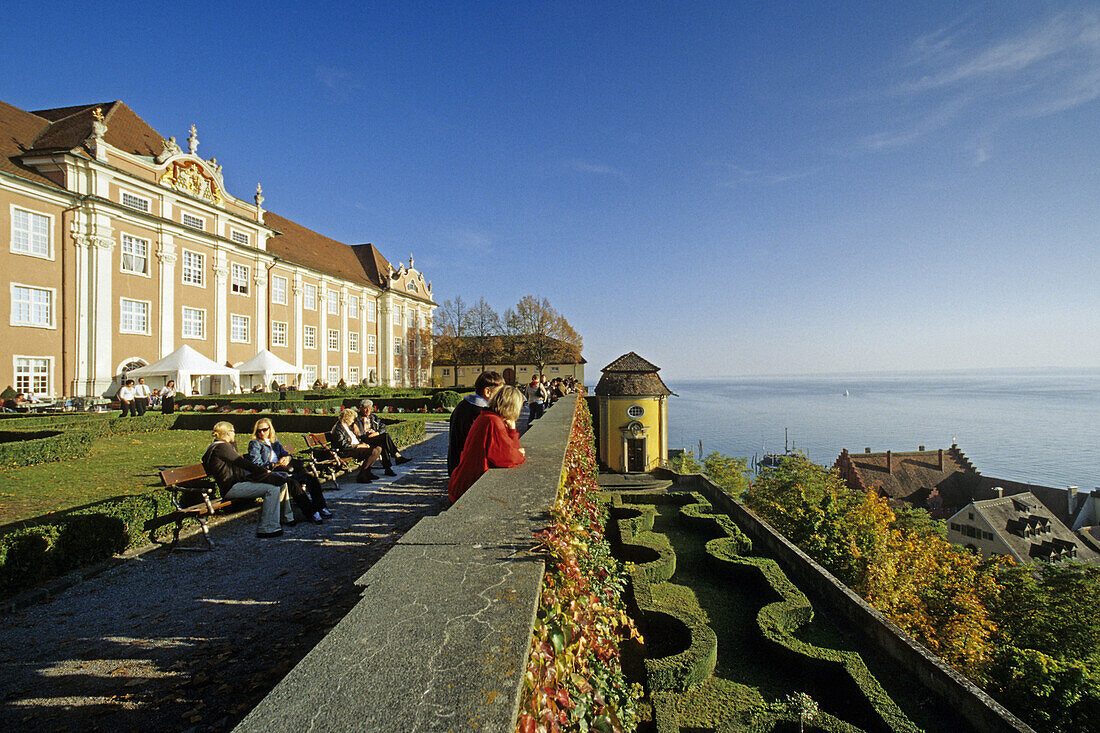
(192, 641)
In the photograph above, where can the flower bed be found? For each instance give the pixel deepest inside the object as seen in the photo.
(574, 681)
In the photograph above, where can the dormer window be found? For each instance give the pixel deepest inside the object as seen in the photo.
(411, 287)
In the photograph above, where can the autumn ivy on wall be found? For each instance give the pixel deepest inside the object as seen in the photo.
(574, 681)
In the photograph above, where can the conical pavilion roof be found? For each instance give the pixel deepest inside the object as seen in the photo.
(631, 376)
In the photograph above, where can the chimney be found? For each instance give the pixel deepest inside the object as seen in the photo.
(920, 448)
(867, 449)
(1071, 502)
(941, 460)
(889, 462)
(998, 492)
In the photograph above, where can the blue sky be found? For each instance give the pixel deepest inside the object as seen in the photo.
(724, 187)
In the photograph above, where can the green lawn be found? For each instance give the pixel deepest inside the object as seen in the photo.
(119, 465)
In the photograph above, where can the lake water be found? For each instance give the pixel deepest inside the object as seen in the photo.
(1041, 427)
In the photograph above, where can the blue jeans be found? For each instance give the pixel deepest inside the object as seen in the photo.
(275, 498)
(537, 411)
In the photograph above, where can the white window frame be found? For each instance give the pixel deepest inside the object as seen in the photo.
(185, 215)
(372, 343)
(184, 324)
(353, 342)
(201, 269)
(309, 375)
(49, 254)
(148, 316)
(333, 339)
(396, 345)
(309, 303)
(246, 237)
(50, 307)
(276, 289)
(333, 375)
(309, 337)
(397, 374)
(397, 315)
(372, 310)
(278, 333)
(411, 287)
(353, 306)
(148, 202)
(122, 254)
(353, 375)
(235, 321)
(235, 286)
(49, 362)
(332, 302)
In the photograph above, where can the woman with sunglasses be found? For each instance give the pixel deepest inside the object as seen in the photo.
(266, 451)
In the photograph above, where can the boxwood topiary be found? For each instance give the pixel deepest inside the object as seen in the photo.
(448, 399)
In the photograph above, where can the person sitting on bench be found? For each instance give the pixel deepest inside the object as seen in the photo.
(266, 451)
(348, 445)
(372, 431)
(239, 478)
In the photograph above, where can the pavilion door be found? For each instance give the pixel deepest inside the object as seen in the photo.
(635, 455)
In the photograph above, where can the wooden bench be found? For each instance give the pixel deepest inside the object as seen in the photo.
(323, 459)
(188, 484)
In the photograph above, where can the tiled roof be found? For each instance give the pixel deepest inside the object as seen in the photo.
(71, 126)
(295, 243)
(18, 130)
(631, 362)
(631, 376)
(1031, 530)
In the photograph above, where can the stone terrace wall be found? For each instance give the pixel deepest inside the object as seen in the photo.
(951, 688)
(440, 639)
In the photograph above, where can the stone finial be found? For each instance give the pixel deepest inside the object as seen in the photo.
(99, 129)
(193, 141)
(259, 198)
(410, 261)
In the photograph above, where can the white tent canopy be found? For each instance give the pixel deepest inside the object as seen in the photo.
(188, 367)
(264, 366)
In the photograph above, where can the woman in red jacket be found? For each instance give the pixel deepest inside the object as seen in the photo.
(493, 442)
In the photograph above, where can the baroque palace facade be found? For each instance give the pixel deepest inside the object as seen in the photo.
(122, 246)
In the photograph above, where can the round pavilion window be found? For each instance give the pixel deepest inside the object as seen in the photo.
(635, 411)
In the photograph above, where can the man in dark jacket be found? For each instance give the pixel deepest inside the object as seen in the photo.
(467, 411)
(239, 478)
(372, 431)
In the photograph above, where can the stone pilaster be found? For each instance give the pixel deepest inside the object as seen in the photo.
(344, 353)
(261, 326)
(296, 327)
(166, 272)
(220, 326)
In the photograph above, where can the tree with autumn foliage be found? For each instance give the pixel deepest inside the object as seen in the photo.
(543, 333)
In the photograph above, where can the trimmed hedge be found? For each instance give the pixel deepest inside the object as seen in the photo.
(448, 399)
(77, 439)
(403, 432)
(778, 622)
(48, 547)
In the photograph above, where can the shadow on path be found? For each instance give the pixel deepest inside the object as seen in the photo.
(194, 640)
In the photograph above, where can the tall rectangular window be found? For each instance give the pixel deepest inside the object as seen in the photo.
(309, 297)
(397, 345)
(309, 337)
(333, 299)
(333, 375)
(30, 233)
(372, 310)
(133, 316)
(333, 340)
(239, 276)
(194, 323)
(31, 306)
(353, 306)
(372, 344)
(353, 342)
(309, 374)
(353, 375)
(397, 376)
(32, 374)
(193, 221)
(397, 315)
(278, 333)
(278, 290)
(135, 255)
(239, 329)
(192, 267)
